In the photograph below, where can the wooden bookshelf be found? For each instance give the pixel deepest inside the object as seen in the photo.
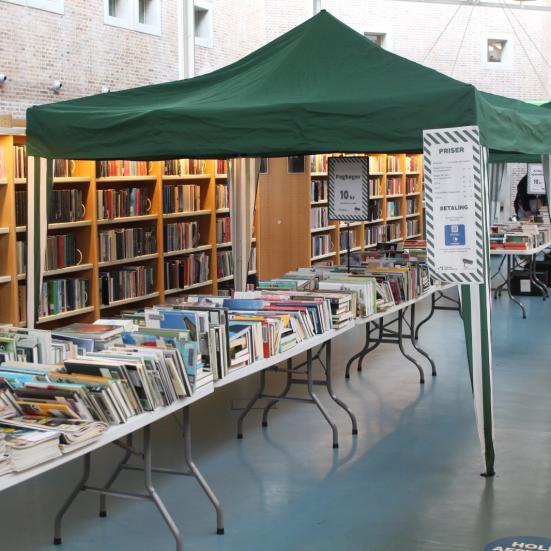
(84, 176)
(287, 201)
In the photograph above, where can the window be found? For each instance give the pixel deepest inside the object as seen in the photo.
(376, 38)
(203, 23)
(136, 15)
(55, 6)
(496, 50)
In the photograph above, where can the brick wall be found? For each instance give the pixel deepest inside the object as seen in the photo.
(77, 48)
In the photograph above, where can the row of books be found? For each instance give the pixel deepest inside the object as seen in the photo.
(181, 235)
(62, 295)
(318, 190)
(411, 184)
(223, 229)
(412, 164)
(393, 185)
(181, 198)
(183, 167)
(63, 168)
(519, 235)
(61, 252)
(321, 244)
(118, 203)
(21, 208)
(221, 166)
(222, 196)
(108, 169)
(413, 227)
(411, 205)
(120, 243)
(393, 208)
(66, 205)
(19, 161)
(375, 210)
(374, 234)
(375, 186)
(129, 282)
(318, 163)
(21, 256)
(224, 266)
(347, 238)
(188, 270)
(319, 217)
(252, 259)
(393, 163)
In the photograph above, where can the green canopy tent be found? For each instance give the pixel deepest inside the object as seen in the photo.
(321, 87)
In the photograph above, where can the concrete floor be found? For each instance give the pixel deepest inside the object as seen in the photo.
(409, 480)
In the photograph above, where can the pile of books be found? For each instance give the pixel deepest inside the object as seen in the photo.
(117, 203)
(188, 270)
(181, 235)
(318, 190)
(519, 236)
(319, 217)
(129, 282)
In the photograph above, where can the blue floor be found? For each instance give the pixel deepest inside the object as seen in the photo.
(409, 481)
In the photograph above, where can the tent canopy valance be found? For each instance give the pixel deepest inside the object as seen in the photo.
(321, 87)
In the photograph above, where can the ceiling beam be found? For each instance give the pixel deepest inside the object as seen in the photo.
(484, 4)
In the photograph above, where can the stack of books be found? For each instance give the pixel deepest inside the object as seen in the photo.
(61, 251)
(188, 270)
(181, 235)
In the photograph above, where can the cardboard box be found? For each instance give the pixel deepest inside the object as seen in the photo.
(522, 286)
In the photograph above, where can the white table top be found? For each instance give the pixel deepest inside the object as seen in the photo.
(521, 252)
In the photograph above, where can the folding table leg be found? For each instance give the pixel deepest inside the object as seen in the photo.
(402, 350)
(415, 345)
(286, 390)
(250, 405)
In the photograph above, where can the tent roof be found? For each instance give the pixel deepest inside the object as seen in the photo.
(321, 87)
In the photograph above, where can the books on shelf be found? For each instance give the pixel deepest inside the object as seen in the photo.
(222, 196)
(393, 208)
(61, 251)
(63, 168)
(223, 230)
(21, 207)
(221, 166)
(392, 231)
(321, 244)
(108, 169)
(318, 163)
(66, 206)
(21, 256)
(319, 217)
(181, 198)
(375, 210)
(412, 163)
(22, 302)
(252, 259)
(119, 203)
(121, 243)
(184, 167)
(129, 282)
(374, 234)
(392, 163)
(62, 295)
(318, 190)
(411, 184)
(189, 270)
(224, 263)
(375, 186)
(376, 164)
(393, 185)
(411, 205)
(181, 235)
(20, 161)
(344, 242)
(413, 227)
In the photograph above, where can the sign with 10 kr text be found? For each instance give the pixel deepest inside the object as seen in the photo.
(536, 180)
(454, 203)
(348, 188)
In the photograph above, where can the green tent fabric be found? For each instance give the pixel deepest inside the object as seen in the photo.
(321, 87)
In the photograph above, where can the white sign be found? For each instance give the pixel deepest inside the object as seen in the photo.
(454, 203)
(536, 181)
(348, 187)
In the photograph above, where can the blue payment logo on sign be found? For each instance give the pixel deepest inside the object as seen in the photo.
(520, 543)
(454, 234)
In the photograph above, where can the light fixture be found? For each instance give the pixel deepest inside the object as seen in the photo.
(3, 78)
(56, 85)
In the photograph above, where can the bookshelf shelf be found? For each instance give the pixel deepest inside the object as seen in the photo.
(222, 211)
(179, 252)
(413, 194)
(4, 231)
(319, 174)
(71, 180)
(221, 176)
(225, 245)
(322, 256)
(392, 218)
(69, 225)
(322, 229)
(412, 173)
(21, 277)
(353, 249)
(370, 246)
(127, 219)
(317, 203)
(20, 229)
(377, 197)
(377, 221)
(171, 178)
(394, 196)
(19, 181)
(344, 225)
(413, 235)
(394, 173)
(186, 214)
(377, 173)
(63, 315)
(414, 215)
(394, 240)
(3, 181)
(189, 287)
(67, 270)
(251, 272)
(225, 278)
(120, 261)
(124, 301)
(126, 179)
(5, 279)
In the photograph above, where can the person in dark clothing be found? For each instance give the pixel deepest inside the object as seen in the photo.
(526, 204)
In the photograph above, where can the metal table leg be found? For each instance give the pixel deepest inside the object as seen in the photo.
(431, 313)
(415, 345)
(509, 279)
(375, 345)
(534, 278)
(254, 399)
(359, 354)
(402, 350)
(286, 390)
